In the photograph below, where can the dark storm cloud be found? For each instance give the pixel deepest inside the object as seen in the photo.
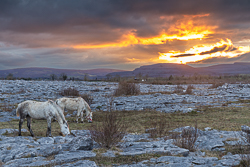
(225, 48)
(81, 17)
(60, 24)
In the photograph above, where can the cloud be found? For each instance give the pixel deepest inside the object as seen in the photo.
(49, 30)
(12, 60)
(183, 55)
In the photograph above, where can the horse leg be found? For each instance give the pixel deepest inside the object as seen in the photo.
(20, 126)
(48, 133)
(81, 116)
(77, 115)
(28, 125)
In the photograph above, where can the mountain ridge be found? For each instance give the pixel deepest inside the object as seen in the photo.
(42, 72)
(153, 70)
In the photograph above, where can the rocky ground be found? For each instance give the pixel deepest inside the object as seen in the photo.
(159, 97)
(77, 149)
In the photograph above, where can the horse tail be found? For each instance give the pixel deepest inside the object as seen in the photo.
(18, 110)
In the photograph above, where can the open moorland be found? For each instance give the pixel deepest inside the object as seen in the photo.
(152, 125)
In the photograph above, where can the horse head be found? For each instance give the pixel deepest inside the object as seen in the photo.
(89, 117)
(65, 128)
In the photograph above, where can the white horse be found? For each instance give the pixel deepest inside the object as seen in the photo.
(73, 104)
(41, 110)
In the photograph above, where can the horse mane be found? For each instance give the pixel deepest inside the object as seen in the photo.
(58, 109)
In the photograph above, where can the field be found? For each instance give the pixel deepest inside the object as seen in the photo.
(148, 115)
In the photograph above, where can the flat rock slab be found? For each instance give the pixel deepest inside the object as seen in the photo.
(67, 157)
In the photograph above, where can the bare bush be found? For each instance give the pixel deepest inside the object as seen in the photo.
(160, 128)
(109, 132)
(216, 85)
(69, 92)
(245, 160)
(178, 89)
(189, 89)
(187, 138)
(125, 88)
(244, 148)
(88, 98)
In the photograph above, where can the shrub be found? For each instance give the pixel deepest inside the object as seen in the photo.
(216, 85)
(109, 132)
(187, 138)
(178, 89)
(69, 92)
(88, 98)
(159, 128)
(189, 89)
(125, 88)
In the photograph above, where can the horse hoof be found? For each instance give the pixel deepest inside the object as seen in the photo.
(81, 121)
(19, 135)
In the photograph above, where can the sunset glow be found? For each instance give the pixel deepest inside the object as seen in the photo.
(201, 52)
(122, 34)
(184, 30)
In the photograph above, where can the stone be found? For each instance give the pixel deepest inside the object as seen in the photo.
(67, 157)
(46, 140)
(49, 150)
(23, 161)
(83, 163)
(109, 154)
(81, 143)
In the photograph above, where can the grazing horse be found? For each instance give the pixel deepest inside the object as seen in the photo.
(73, 104)
(41, 110)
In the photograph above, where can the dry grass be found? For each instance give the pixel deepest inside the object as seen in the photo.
(224, 118)
(119, 160)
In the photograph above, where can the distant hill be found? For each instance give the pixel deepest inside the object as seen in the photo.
(167, 69)
(155, 70)
(228, 69)
(36, 72)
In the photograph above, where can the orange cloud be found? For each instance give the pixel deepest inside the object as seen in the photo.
(183, 29)
(201, 52)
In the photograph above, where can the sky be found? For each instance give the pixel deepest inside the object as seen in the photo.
(122, 34)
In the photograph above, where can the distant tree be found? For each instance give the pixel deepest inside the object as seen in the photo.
(117, 78)
(170, 77)
(139, 76)
(53, 77)
(145, 77)
(86, 78)
(108, 76)
(10, 76)
(64, 76)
